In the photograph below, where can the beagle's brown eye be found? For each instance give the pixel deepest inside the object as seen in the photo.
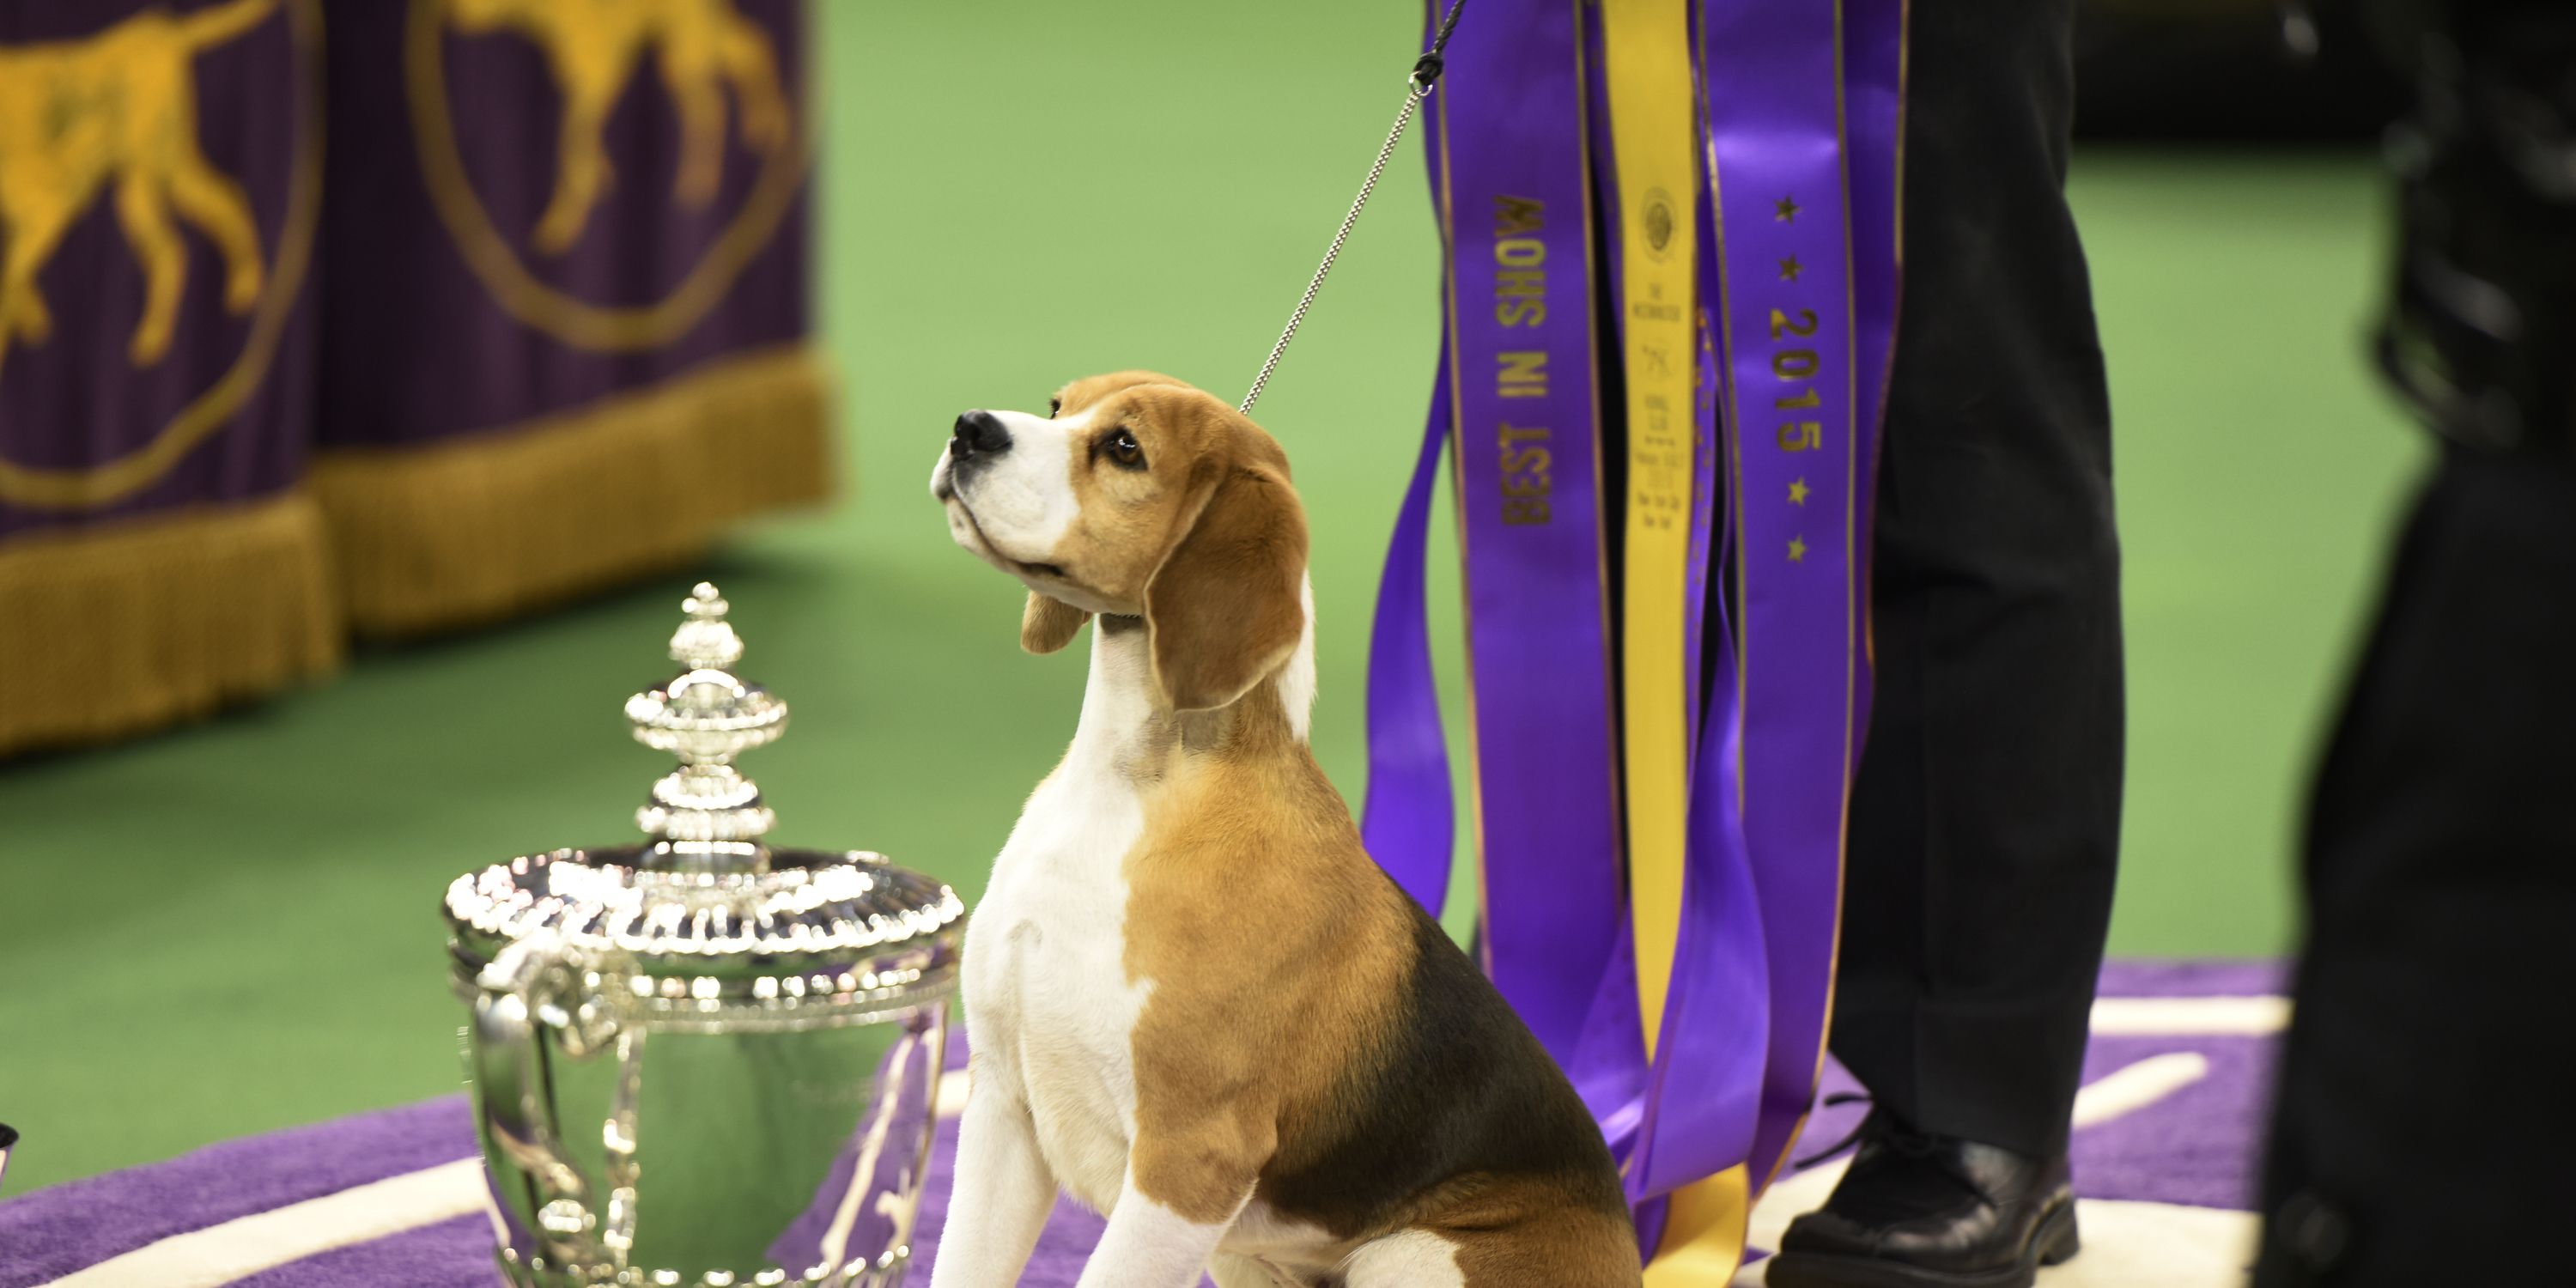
(1123, 451)
(1054, 405)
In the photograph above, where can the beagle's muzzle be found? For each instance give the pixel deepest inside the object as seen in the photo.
(1196, 1004)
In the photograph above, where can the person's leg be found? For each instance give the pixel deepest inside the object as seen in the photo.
(2421, 1136)
(1985, 821)
(1986, 816)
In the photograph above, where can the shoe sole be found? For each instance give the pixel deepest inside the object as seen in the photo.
(2054, 1243)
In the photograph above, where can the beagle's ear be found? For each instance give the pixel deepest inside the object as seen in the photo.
(1223, 611)
(1049, 624)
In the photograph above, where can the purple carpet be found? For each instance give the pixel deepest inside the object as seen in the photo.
(2192, 1144)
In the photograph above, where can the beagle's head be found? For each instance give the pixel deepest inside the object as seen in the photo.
(1138, 495)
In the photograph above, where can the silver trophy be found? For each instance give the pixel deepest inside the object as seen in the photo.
(701, 1060)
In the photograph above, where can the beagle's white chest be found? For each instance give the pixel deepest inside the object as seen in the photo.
(1049, 1007)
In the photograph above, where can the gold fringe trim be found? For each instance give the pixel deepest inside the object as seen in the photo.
(484, 527)
(113, 630)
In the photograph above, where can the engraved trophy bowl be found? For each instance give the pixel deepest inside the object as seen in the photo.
(700, 1060)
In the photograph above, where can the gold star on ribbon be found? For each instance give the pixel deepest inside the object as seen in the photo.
(1798, 492)
(1788, 209)
(1797, 550)
(1790, 268)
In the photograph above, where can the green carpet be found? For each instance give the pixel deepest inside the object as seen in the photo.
(234, 927)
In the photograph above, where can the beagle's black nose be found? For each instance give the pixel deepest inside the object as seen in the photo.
(979, 433)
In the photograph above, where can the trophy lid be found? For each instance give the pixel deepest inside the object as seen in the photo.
(704, 920)
(705, 814)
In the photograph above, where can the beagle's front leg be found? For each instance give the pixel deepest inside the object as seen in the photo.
(1181, 1195)
(1003, 1192)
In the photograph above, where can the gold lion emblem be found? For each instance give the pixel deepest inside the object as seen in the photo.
(120, 105)
(592, 47)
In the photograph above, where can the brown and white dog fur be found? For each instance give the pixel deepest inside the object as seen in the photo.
(1196, 1004)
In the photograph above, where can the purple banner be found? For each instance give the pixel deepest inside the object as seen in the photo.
(157, 339)
(515, 233)
(565, 289)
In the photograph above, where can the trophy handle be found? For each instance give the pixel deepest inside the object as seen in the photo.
(532, 988)
(618, 1136)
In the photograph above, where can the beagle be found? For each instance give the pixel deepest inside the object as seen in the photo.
(1198, 1006)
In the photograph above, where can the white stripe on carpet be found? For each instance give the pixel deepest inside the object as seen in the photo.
(2215, 1016)
(245, 1246)
(2133, 1087)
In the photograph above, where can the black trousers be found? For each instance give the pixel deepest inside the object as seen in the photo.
(2424, 1127)
(1986, 816)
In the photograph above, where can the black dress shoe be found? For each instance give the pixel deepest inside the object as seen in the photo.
(1924, 1211)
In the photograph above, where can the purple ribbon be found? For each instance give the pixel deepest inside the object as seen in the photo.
(1406, 821)
(1795, 328)
(1523, 426)
(1802, 106)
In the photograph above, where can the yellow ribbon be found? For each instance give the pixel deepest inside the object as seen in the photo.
(1646, 44)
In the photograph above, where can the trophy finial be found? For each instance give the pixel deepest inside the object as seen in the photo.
(705, 814)
(706, 640)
